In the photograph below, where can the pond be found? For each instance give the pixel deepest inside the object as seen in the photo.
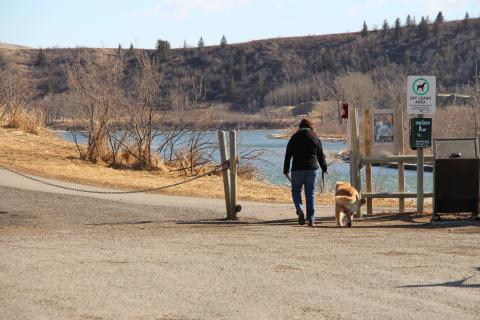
(270, 161)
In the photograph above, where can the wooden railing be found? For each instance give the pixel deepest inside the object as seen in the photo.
(357, 160)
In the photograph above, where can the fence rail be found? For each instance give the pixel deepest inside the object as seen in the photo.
(393, 195)
(400, 158)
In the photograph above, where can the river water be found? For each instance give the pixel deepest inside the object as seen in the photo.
(271, 154)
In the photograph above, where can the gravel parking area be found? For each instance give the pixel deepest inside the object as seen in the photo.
(72, 257)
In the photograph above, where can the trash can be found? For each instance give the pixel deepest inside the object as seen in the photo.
(456, 176)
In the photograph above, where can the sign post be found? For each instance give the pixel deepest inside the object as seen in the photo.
(421, 99)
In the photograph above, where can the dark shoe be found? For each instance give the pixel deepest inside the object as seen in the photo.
(311, 223)
(349, 224)
(301, 218)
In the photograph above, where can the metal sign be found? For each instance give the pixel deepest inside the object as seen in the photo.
(420, 133)
(421, 94)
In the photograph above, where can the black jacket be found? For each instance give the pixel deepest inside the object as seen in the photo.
(306, 149)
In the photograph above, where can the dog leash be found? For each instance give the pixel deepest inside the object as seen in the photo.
(322, 185)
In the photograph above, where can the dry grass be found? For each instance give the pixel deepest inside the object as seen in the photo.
(47, 155)
(30, 121)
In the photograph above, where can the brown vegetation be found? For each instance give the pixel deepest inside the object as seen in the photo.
(49, 156)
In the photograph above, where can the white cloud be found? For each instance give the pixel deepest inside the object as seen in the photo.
(352, 11)
(183, 8)
(444, 5)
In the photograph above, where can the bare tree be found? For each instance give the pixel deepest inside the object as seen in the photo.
(98, 81)
(140, 111)
(359, 89)
(15, 90)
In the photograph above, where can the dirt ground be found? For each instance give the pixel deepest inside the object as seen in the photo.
(73, 257)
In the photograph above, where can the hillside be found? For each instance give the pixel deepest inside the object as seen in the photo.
(4, 45)
(285, 71)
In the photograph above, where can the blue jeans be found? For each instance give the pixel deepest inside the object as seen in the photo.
(307, 178)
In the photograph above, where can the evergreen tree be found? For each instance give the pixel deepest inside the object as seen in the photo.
(409, 23)
(223, 42)
(364, 32)
(201, 44)
(40, 61)
(439, 19)
(130, 52)
(422, 30)
(119, 50)
(438, 22)
(398, 29)
(385, 27)
(466, 21)
(163, 50)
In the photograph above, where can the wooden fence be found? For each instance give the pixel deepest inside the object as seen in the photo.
(358, 160)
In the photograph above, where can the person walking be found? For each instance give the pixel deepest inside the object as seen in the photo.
(306, 150)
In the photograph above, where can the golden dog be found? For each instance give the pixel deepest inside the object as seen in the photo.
(347, 201)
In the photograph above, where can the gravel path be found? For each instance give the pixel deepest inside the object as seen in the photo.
(65, 256)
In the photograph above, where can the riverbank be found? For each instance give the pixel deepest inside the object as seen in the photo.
(47, 155)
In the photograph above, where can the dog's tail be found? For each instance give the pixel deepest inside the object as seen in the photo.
(346, 199)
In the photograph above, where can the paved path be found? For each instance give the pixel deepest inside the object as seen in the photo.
(249, 208)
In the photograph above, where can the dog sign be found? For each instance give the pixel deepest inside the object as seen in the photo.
(421, 94)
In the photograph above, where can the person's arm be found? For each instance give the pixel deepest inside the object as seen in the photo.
(288, 157)
(321, 156)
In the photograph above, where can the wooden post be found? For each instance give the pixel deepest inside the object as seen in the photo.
(351, 154)
(367, 131)
(420, 178)
(356, 150)
(233, 175)
(355, 154)
(225, 173)
(399, 150)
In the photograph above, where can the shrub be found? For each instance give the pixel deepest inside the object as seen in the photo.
(28, 120)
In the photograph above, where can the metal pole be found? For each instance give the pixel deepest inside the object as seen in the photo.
(367, 132)
(233, 175)
(225, 173)
(400, 151)
(420, 161)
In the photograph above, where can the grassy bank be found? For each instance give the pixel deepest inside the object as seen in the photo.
(47, 155)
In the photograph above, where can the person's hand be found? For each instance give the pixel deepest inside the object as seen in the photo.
(325, 172)
(287, 175)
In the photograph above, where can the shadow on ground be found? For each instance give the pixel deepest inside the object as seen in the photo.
(452, 284)
(381, 221)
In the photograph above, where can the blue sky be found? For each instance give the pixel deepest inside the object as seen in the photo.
(107, 23)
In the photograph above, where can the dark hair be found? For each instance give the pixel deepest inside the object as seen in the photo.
(306, 123)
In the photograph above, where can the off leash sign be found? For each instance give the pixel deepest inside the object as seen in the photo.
(421, 94)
